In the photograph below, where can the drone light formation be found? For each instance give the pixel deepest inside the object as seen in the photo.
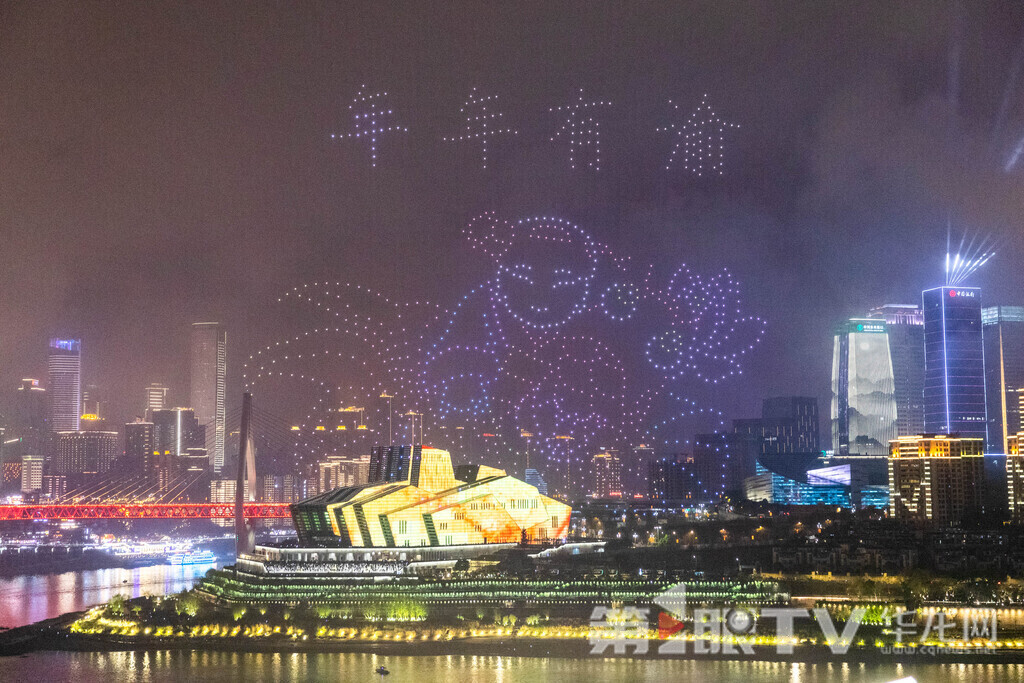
(482, 122)
(582, 130)
(369, 113)
(700, 140)
(564, 343)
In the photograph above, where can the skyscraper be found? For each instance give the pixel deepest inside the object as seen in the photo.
(176, 430)
(85, 453)
(954, 371)
(65, 373)
(905, 328)
(139, 444)
(156, 398)
(863, 389)
(209, 390)
(721, 461)
(1003, 328)
(31, 421)
(607, 472)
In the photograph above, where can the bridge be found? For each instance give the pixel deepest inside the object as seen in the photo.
(10, 513)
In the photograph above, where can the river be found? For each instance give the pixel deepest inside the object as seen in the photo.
(162, 665)
(31, 598)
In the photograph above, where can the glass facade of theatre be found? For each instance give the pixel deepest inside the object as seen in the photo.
(954, 377)
(863, 389)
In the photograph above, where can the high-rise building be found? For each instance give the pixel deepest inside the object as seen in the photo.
(721, 462)
(905, 329)
(93, 402)
(65, 374)
(1015, 477)
(670, 479)
(175, 430)
(787, 435)
(156, 398)
(606, 469)
(85, 453)
(139, 445)
(1003, 332)
(936, 478)
(954, 372)
(337, 471)
(31, 473)
(31, 416)
(209, 389)
(864, 413)
(55, 486)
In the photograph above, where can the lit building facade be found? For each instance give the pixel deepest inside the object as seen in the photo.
(905, 329)
(139, 445)
(156, 398)
(606, 469)
(64, 368)
(954, 374)
(85, 453)
(670, 480)
(433, 504)
(175, 430)
(864, 414)
(1003, 328)
(209, 347)
(721, 463)
(936, 479)
(31, 473)
(31, 416)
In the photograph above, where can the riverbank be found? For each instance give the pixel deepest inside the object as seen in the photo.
(54, 635)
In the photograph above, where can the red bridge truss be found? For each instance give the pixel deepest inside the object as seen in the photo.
(141, 511)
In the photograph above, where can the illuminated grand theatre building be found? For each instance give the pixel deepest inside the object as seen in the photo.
(417, 507)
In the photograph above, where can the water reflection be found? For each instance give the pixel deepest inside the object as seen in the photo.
(232, 666)
(27, 599)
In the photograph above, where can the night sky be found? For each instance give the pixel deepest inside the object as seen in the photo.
(164, 163)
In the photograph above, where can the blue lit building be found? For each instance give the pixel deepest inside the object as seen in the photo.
(954, 374)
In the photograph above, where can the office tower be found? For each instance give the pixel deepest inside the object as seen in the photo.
(606, 469)
(85, 453)
(139, 445)
(55, 486)
(936, 479)
(31, 416)
(533, 478)
(209, 391)
(1015, 477)
(905, 329)
(864, 412)
(92, 401)
(65, 373)
(721, 461)
(1003, 333)
(336, 471)
(954, 367)
(786, 436)
(156, 398)
(670, 479)
(799, 414)
(175, 430)
(31, 473)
